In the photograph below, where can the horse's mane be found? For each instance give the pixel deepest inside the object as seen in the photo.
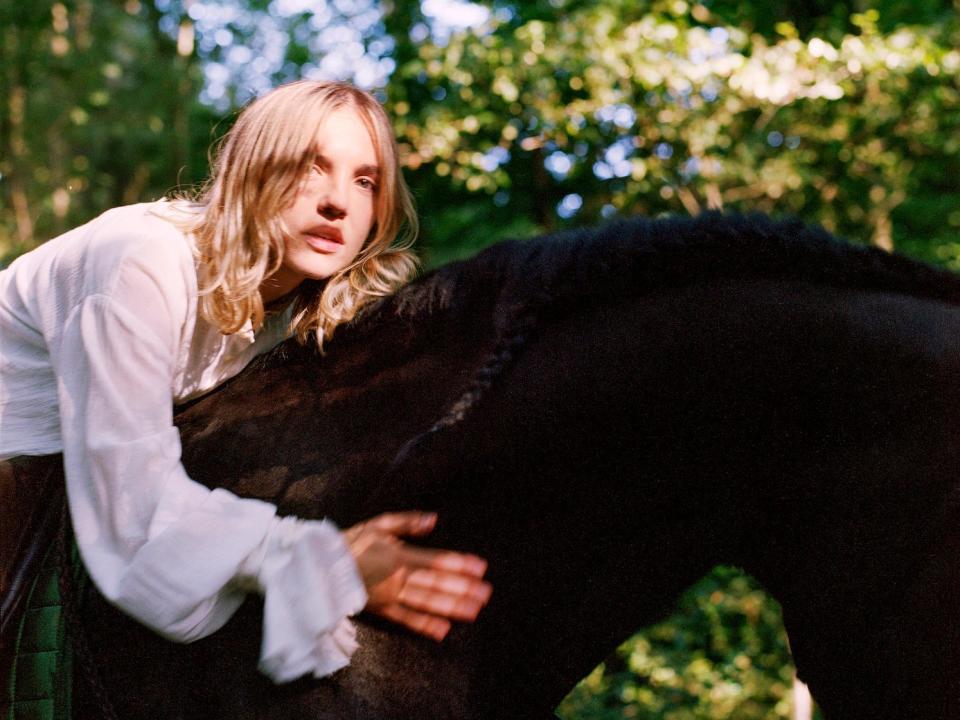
(525, 279)
(637, 255)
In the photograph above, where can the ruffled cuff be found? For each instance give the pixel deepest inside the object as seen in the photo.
(310, 584)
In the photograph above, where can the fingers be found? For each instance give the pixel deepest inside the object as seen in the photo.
(423, 623)
(423, 589)
(445, 560)
(455, 585)
(412, 524)
(462, 607)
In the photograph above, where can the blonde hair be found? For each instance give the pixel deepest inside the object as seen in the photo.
(257, 171)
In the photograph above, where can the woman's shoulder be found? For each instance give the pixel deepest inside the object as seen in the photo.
(139, 241)
(144, 243)
(147, 227)
(146, 231)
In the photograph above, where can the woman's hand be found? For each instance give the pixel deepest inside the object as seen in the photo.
(420, 588)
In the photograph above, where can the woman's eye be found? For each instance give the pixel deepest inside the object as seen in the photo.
(367, 183)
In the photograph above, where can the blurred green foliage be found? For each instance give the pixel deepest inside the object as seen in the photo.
(542, 115)
(665, 107)
(723, 655)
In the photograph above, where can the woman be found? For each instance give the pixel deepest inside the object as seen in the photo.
(306, 218)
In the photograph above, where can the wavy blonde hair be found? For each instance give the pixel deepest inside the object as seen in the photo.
(258, 168)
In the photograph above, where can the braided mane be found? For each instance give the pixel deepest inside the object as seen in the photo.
(637, 255)
(634, 257)
(631, 257)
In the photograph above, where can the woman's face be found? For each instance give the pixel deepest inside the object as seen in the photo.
(334, 209)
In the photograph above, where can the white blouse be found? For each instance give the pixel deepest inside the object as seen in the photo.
(99, 337)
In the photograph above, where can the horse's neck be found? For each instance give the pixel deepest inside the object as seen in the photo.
(626, 449)
(774, 425)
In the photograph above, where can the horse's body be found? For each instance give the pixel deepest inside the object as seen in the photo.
(654, 399)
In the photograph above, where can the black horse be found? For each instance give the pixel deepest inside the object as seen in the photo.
(605, 415)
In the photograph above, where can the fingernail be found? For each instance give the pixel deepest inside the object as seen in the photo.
(482, 593)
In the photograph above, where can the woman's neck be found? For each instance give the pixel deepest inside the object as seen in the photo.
(280, 283)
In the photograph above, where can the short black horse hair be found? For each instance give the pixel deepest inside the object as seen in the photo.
(532, 278)
(637, 254)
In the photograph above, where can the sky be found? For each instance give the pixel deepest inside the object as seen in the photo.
(244, 51)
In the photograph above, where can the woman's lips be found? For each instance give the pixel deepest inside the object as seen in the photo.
(324, 240)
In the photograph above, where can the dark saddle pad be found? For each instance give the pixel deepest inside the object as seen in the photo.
(32, 497)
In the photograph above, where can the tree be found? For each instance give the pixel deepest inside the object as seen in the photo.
(604, 110)
(95, 108)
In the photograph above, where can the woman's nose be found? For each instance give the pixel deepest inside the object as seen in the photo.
(331, 201)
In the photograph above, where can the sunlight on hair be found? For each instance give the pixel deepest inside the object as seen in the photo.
(257, 171)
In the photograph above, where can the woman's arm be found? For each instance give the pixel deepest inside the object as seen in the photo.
(180, 557)
(165, 549)
(420, 588)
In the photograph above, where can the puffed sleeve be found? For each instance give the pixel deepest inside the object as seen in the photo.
(168, 551)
